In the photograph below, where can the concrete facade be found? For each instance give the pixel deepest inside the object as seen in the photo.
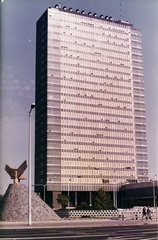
(90, 108)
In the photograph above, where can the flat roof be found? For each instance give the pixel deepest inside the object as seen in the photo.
(92, 15)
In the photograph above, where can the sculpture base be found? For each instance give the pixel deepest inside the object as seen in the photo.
(15, 206)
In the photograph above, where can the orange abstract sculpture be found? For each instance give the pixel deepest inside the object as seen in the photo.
(16, 173)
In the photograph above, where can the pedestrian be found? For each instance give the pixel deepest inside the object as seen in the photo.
(149, 212)
(144, 213)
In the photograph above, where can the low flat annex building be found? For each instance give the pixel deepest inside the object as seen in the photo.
(90, 127)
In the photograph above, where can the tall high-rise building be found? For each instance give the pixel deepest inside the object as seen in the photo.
(90, 129)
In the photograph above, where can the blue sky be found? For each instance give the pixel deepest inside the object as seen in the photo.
(17, 77)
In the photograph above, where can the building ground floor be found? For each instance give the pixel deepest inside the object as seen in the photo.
(127, 196)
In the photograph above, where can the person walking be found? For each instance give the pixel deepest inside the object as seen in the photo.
(149, 212)
(144, 213)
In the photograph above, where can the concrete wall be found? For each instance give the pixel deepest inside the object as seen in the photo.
(120, 213)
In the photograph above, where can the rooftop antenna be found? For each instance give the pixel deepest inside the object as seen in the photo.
(120, 10)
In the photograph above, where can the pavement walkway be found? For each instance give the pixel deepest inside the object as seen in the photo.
(75, 223)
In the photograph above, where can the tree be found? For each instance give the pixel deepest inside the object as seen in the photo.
(63, 200)
(102, 201)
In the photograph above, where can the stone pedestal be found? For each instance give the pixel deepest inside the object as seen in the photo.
(15, 206)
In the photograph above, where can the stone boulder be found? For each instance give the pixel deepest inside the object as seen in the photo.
(14, 207)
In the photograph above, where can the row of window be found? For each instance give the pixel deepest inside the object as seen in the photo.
(120, 108)
(101, 81)
(114, 152)
(88, 134)
(82, 75)
(98, 98)
(89, 53)
(95, 23)
(89, 159)
(55, 136)
(83, 177)
(94, 116)
(88, 127)
(53, 104)
(126, 118)
(139, 91)
(138, 84)
(138, 78)
(98, 73)
(89, 62)
(142, 164)
(106, 101)
(91, 169)
(105, 28)
(102, 86)
(140, 135)
(83, 122)
(104, 143)
(140, 128)
(81, 34)
(83, 117)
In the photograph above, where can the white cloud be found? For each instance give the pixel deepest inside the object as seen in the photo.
(17, 92)
(14, 82)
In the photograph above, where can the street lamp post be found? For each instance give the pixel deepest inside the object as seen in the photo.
(153, 193)
(114, 194)
(68, 192)
(29, 168)
(154, 198)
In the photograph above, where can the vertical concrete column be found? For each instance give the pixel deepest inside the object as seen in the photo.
(75, 198)
(90, 198)
(115, 198)
(55, 203)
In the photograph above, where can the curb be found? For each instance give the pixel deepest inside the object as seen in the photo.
(74, 224)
